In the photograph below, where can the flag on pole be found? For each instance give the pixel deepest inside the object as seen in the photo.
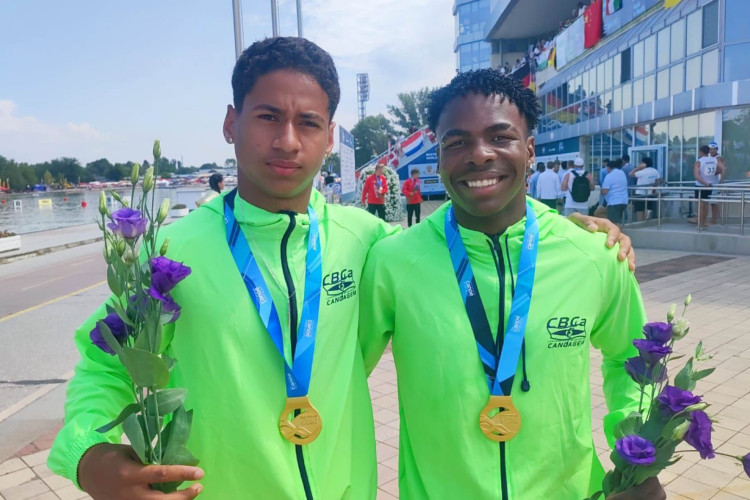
(612, 6)
(592, 24)
(671, 3)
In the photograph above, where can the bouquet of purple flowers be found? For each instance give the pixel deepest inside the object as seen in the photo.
(647, 439)
(141, 279)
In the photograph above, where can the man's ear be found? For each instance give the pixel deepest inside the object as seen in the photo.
(331, 128)
(229, 119)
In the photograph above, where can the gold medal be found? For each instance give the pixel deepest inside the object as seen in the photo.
(503, 425)
(302, 428)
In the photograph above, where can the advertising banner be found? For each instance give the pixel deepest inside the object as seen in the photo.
(346, 153)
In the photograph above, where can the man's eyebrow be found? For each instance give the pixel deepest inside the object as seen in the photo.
(499, 127)
(454, 132)
(268, 107)
(311, 116)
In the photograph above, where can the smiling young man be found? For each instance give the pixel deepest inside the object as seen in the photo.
(308, 259)
(509, 299)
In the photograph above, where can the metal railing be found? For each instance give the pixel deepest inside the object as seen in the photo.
(730, 196)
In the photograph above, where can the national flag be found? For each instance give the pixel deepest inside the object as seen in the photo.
(412, 144)
(592, 19)
(671, 3)
(552, 53)
(612, 6)
(529, 81)
(522, 72)
(542, 60)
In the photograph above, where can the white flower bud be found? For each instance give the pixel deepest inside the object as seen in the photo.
(163, 211)
(679, 432)
(148, 180)
(688, 299)
(102, 203)
(671, 313)
(680, 328)
(164, 246)
(135, 174)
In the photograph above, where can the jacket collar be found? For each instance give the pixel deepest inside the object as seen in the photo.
(247, 213)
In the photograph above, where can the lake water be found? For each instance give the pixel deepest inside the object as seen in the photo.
(52, 210)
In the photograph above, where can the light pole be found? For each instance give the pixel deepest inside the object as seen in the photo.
(299, 19)
(237, 11)
(275, 17)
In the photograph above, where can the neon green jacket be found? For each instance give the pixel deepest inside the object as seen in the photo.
(233, 372)
(582, 296)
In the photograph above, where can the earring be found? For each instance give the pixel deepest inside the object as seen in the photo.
(229, 139)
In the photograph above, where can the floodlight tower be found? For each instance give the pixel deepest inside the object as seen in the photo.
(363, 92)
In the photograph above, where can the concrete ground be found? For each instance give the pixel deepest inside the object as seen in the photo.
(719, 314)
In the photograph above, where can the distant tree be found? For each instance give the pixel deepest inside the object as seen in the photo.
(333, 164)
(97, 169)
(48, 179)
(115, 172)
(371, 135)
(209, 166)
(230, 163)
(411, 110)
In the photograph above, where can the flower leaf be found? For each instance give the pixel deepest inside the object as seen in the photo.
(165, 401)
(134, 432)
(113, 282)
(684, 379)
(702, 374)
(629, 425)
(179, 430)
(109, 338)
(146, 369)
(125, 413)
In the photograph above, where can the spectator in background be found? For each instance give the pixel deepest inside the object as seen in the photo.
(713, 151)
(646, 175)
(603, 171)
(373, 192)
(615, 191)
(216, 182)
(507, 68)
(707, 172)
(412, 190)
(548, 186)
(628, 167)
(576, 196)
(534, 178)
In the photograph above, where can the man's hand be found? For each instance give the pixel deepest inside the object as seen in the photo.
(650, 489)
(614, 235)
(113, 472)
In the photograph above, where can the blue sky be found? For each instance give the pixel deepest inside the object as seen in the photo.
(95, 78)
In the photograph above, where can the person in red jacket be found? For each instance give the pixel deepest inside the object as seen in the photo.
(413, 192)
(373, 193)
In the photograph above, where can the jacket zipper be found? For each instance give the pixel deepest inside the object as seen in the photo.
(293, 337)
(497, 256)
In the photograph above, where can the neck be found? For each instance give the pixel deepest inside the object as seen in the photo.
(496, 223)
(251, 194)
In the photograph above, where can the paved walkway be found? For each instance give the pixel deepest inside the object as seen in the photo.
(720, 317)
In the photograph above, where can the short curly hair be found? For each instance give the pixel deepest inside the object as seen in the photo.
(486, 82)
(299, 54)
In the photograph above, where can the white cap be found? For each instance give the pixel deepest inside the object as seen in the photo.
(713, 145)
(578, 162)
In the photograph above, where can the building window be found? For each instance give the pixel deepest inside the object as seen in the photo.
(662, 84)
(735, 148)
(689, 145)
(710, 69)
(626, 66)
(601, 85)
(711, 24)
(637, 92)
(735, 62)
(638, 59)
(617, 66)
(649, 53)
(627, 95)
(649, 88)
(693, 73)
(678, 40)
(737, 26)
(608, 74)
(694, 24)
(675, 78)
(617, 99)
(663, 56)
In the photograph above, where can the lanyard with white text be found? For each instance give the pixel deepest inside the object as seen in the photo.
(502, 370)
(297, 376)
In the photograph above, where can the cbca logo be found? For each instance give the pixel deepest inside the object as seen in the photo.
(566, 331)
(339, 285)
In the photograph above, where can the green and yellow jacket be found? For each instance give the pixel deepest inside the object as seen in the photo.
(582, 296)
(231, 369)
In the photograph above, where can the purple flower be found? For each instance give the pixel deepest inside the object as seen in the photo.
(165, 274)
(699, 434)
(674, 400)
(636, 450)
(169, 306)
(116, 326)
(658, 332)
(746, 464)
(650, 350)
(644, 373)
(128, 223)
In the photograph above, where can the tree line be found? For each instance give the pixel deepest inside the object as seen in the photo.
(67, 172)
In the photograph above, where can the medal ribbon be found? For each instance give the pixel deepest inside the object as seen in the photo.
(297, 376)
(499, 367)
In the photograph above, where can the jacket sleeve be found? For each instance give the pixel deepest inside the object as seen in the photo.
(619, 323)
(408, 189)
(377, 308)
(385, 185)
(365, 188)
(99, 390)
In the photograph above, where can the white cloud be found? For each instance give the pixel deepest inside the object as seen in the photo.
(26, 138)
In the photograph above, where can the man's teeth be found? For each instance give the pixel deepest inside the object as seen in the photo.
(482, 183)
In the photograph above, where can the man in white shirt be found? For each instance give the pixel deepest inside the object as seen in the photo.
(646, 175)
(548, 187)
(577, 199)
(713, 151)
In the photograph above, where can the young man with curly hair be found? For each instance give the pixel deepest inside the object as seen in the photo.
(492, 352)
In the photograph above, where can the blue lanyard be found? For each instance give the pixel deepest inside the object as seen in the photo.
(501, 368)
(297, 376)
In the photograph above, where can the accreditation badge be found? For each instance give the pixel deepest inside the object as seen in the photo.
(305, 424)
(500, 420)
